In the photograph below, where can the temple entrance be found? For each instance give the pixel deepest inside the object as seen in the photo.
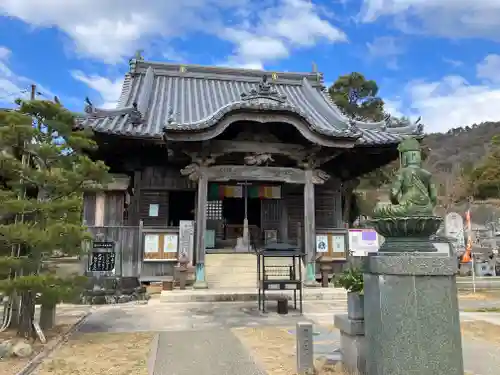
(180, 207)
(233, 212)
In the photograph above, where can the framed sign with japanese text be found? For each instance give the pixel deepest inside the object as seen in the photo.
(160, 247)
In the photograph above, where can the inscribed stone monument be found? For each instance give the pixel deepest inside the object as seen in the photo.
(454, 229)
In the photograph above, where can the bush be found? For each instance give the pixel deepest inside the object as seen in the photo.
(351, 280)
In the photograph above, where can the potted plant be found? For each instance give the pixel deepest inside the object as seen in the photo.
(351, 280)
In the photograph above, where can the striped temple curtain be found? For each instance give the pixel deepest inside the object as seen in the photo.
(217, 191)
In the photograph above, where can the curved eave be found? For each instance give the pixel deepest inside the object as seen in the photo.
(261, 105)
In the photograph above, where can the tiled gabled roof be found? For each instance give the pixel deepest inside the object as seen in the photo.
(183, 98)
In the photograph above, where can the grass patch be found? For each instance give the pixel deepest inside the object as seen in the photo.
(484, 309)
(274, 349)
(479, 329)
(12, 365)
(486, 295)
(100, 353)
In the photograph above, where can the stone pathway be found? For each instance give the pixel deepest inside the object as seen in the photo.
(196, 337)
(201, 316)
(207, 352)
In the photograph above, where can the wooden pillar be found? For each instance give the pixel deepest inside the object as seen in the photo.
(100, 201)
(310, 229)
(201, 225)
(284, 221)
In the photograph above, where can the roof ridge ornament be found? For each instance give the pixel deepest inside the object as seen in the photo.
(135, 115)
(265, 90)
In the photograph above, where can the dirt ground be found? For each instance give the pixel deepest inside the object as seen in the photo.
(483, 295)
(100, 353)
(274, 349)
(13, 365)
(481, 330)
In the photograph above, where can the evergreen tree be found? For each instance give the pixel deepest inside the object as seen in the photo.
(44, 171)
(357, 97)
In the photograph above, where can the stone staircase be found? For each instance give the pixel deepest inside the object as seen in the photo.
(236, 270)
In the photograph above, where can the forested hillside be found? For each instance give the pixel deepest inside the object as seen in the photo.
(460, 147)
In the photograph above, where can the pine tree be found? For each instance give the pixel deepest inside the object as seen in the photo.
(44, 171)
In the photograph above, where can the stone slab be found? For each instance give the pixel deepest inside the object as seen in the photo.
(209, 352)
(407, 264)
(234, 295)
(349, 326)
(411, 321)
(353, 349)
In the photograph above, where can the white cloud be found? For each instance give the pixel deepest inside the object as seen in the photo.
(108, 90)
(489, 69)
(393, 107)
(452, 18)
(4, 53)
(387, 48)
(453, 63)
(111, 30)
(453, 101)
(277, 30)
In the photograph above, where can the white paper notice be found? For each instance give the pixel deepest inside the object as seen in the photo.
(322, 244)
(153, 210)
(151, 243)
(170, 243)
(338, 243)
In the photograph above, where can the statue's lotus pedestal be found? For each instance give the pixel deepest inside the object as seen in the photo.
(407, 234)
(412, 324)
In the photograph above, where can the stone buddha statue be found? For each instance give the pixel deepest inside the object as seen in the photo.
(412, 192)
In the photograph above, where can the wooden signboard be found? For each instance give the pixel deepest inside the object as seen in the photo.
(102, 258)
(332, 245)
(102, 261)
(160, 246)
(186, 239)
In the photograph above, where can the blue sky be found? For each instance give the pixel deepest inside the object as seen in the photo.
(439, 59)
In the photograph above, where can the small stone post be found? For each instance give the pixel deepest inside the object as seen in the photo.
(305, 351)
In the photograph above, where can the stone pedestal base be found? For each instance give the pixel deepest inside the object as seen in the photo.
(200, 282)
(412, 324)
(352, 344)
(310, 277)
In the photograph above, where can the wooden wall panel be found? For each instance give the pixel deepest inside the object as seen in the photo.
(295, 208)
(114, 207)
(271, 215)
(168, 178)
(133, 209)
(328, 207)
(89, 209)
(157, 269)
(159, 197)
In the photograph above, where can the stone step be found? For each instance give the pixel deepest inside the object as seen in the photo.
(336, 295)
